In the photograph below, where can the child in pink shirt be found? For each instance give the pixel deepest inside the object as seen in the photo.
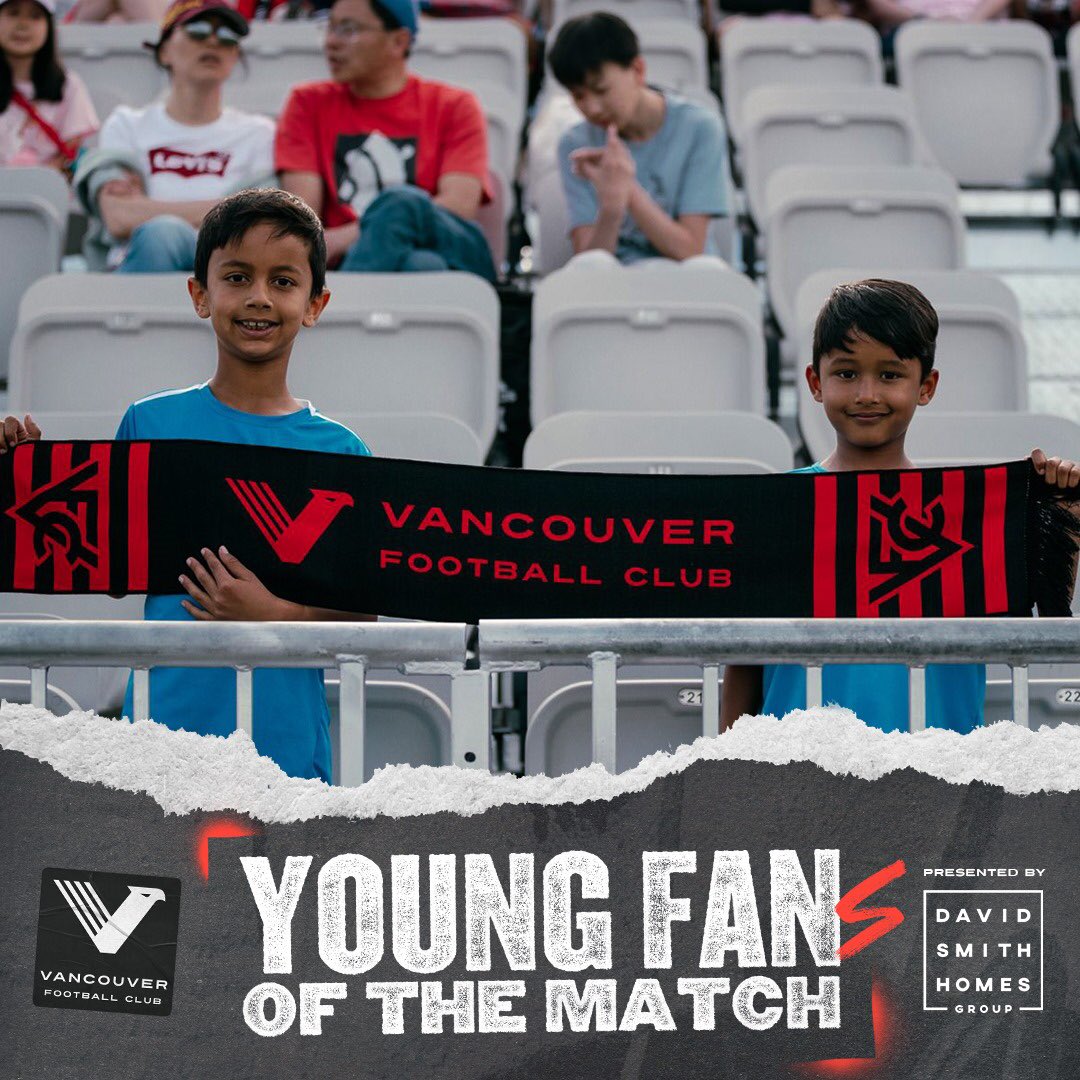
(45, 112)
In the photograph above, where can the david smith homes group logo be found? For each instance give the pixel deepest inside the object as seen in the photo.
(106, 941)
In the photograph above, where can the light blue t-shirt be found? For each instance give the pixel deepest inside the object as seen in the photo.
(290, 722)
(878, 693)
(682, 167)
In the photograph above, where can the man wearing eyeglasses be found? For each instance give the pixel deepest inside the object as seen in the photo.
(160, 168)
(395, 165)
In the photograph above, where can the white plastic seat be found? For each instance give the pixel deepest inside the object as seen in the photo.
(980, 353)
(983, 438)
(655, 714)
(824, 125)
(630, 10)
(505, 116)
(94, 342)
(906, 218)
(404, 343)
(474, 53)
(662, 338)
(113, 62)
(80, 425)
(692, 442)
(404, 724)
(280, 55)
(17, 692)
(100, 689)
(415, 436)
(986, 95)
(33, 222)
(757, 52)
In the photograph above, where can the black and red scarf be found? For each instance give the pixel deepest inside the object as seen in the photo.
(459, 543)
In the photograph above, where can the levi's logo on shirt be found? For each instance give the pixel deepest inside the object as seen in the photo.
(164, 159)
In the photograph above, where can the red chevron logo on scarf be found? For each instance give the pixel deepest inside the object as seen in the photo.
(291, 538)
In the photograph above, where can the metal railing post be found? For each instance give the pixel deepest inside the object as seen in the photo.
(1021, 702)
(814, 691)
(916, 698)
(605, 667)
(352, 716)
(140, 694)
(245, 697)
(39, 687)
(710, 699)
(470, 712)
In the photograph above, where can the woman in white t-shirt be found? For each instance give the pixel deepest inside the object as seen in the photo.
(45, 112)
(190, 150)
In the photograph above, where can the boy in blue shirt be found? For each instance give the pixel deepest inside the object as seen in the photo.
(643, 174)
(873, 365)
(260, 274)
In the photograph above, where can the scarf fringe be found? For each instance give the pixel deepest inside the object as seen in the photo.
(1053, 542)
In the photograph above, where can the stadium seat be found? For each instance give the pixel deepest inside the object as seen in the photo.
(903, 218)
(687, 11)
(404, 343)
(33, 224)
(17, 692)
(691, 442)
(824, 125)
(474, 53)
(404, 725)
(415, 437)
(505, 117)
(663, 337)
(757, 52)
(655, 714)
(279, 55)
(983, 438)
(113, 62)
(99, 689)
(986, 95)
(80, 425)
(93, 342)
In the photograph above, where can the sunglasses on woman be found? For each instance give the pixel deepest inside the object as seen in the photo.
(202, 31)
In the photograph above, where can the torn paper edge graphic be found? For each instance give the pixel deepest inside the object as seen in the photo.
(185, 772)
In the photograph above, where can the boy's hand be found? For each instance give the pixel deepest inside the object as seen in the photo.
(226, 589)
(17, 431)
(1060, 473)
(610, 169)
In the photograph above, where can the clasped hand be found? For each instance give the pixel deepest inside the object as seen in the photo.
(609, 168)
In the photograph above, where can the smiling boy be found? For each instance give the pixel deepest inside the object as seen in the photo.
(260, 272)
(873, 366)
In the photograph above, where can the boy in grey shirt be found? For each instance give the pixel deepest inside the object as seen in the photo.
(644, 172)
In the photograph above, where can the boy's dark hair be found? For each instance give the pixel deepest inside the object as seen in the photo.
(236, 215)
(46, 72)
(586, 43)
(892, 312)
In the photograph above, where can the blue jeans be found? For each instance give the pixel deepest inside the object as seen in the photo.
(403, 230)
(160, 246)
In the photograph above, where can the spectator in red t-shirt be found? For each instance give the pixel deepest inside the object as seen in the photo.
(395, 165)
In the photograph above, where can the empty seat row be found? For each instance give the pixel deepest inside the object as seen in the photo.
(985, 96)
(665, 337)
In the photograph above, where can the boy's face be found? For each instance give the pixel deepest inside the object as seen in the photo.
(610, 95)
(258, 295)
(869, 393)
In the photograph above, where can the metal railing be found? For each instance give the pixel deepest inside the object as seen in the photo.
(603, 644)
(511, 645)
(352, 648)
